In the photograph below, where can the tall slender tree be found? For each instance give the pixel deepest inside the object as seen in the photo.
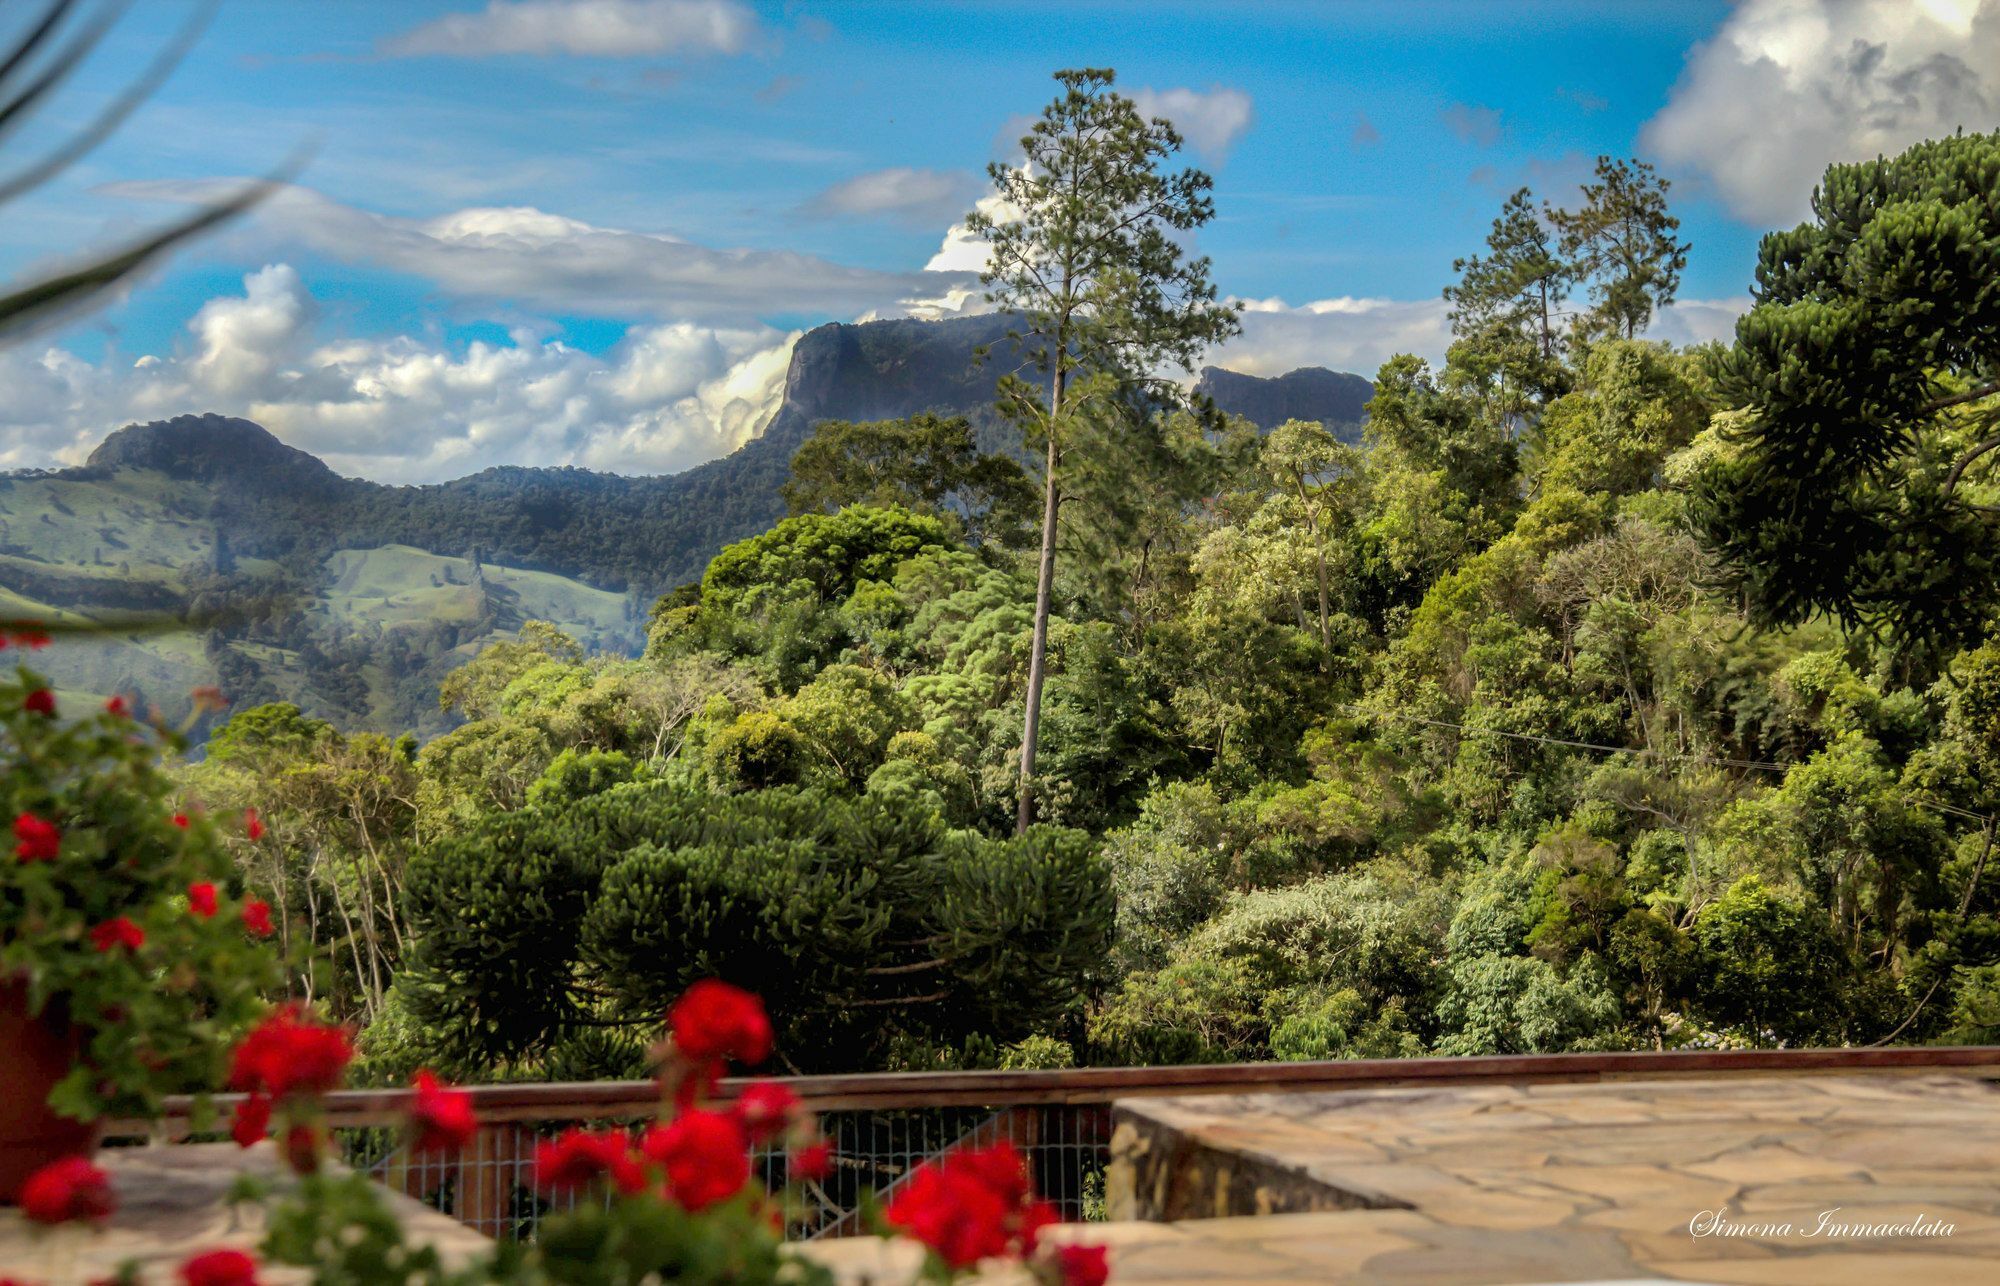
(1518, 287)
(1622, 240)
(1084, 254)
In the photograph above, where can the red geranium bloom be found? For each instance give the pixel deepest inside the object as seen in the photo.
(288, 1053)
(120, 932)
(713, 1020)
(181, 820)
(253, 825)
(201, 899)
(257, 917)
(443, 1117)
(252, 1120)
(577, 1158)
(71, 1188)
(950, 1211)
(1083, 1265)
(970, 1206)
(117, 708)
(41, 701)
(813, 1161)
(31, 638)
(220, 1268)
(705, 1154)
(40, 841)
(764, 1109)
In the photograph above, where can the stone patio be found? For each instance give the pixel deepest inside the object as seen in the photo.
(1569, 1183)
(1555, 1183)
(172, 1203)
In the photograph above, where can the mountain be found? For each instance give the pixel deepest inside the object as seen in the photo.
(389, 586)
(1334, 398)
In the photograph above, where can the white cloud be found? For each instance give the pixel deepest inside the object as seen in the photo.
(1697, 321)
(928, 196)
(665, 398)
(1358, 335)
(521, 255)
(1787, 87)
(583, 28)
(1343, 334)
(1211, 120)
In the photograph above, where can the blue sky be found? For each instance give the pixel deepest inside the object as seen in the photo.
(631, 205)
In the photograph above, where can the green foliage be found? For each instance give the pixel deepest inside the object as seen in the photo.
(926, 464)
(859, 922)
(1771, 966)
(1855, 482)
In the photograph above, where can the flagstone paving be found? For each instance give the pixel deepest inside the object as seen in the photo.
(1557, 1183)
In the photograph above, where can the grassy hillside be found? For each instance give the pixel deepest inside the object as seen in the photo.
(360, 639)
(400, 586)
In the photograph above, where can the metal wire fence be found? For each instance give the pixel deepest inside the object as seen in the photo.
(489, 1185)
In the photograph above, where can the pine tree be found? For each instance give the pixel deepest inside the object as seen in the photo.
(1084, 254)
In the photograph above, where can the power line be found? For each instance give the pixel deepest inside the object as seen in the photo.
(1758, 765)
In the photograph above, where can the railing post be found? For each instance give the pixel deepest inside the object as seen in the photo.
(486, 1179)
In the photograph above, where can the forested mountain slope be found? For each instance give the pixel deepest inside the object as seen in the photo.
(199, 512)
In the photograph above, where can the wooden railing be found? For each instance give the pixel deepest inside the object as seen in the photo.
(884, 1124)
(612, 1100)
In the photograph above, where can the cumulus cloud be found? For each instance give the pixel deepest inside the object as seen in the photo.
(665, 398)
(1358, 335)
(583, 28)
(1787, 87)
(526, 256)
(926, 196)
(1211, 120)
(1343, 334)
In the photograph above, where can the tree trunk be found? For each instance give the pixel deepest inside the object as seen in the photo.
(1044, 585)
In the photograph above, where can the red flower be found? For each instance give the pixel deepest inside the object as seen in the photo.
(257, 917)
(201, 899)
(288, 1053)
(181, 820)
(577, 1158)
(120, 932)
(41, 701)
(443, 1117)
(764, 1109)
(1035, 1216)
(117, 708)
(1083, 1265)
(970, 1206)
(40, 841)
(220, 1268)
(960, 1219)
(71, 1188)
(30, 637)
(813, 1161)
(713, 1020)
(705, 1154)
(252, 1120)
(253, 825)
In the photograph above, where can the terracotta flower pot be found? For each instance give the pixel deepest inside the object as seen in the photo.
(35, 1053)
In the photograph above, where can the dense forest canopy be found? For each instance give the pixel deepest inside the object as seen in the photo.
(1606, 695)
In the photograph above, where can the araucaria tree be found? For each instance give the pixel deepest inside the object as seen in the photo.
(1085, 255)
